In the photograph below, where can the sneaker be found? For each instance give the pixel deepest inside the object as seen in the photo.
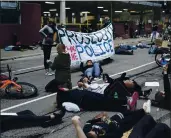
(147, 93)
(48, 74)
(63, 89)
(59, 115)
(95, 79)
(147, 106)
(132, 101)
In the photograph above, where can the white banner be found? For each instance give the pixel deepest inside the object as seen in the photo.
(94, 46)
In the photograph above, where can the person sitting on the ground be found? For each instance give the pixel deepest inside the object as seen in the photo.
(61, 65)
(91, 70)
(27, 118)
(88, 100)
(121, 86)
(136, 124)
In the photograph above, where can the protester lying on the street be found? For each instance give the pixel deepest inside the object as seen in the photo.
(61, 65)
(127, 47)
(155, 49)
(88, 100)
(27, 118)
(142, 45)
(91, 70)
(19, 47)
(121, 51)
(162, 99)
(130, 124)
(119, 87)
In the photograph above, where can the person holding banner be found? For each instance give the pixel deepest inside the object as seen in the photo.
(47, 32)
(61, 65)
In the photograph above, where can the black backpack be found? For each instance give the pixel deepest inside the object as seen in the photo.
(117, 88)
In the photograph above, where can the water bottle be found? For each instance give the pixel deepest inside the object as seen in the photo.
(116, 95)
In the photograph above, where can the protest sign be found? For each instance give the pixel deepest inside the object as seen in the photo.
(94, 46)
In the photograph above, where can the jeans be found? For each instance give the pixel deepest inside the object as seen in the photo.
(47, 53)
(23, 119)
(148, 128)
(130, 119)
(123, 51)
(91, 101)
(94, 71)
(89, 72)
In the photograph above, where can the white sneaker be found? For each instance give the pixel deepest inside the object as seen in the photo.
(52, 73)
(95, 79)
(147, 106)
(48, 74)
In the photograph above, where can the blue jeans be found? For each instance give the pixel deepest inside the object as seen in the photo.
(94, 71)
(89, 72)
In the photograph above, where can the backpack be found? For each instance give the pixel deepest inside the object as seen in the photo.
(152, 50)
(117, 88)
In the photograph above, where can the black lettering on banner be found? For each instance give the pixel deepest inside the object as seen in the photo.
(92, 40)
(70, 36)
(105, 35)
(61, 34)
(89, 50)
(77, 36)
(110, 33)
(100, 46)
(87, 42)
(111, 46)
(79, 50)
(106, 45)
(99, 38)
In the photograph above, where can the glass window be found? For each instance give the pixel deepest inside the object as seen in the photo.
(9, 12)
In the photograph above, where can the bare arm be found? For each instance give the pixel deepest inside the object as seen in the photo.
(42, 31)
(77, 124)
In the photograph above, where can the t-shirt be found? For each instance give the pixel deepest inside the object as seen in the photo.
(97, 88)
(110, 129)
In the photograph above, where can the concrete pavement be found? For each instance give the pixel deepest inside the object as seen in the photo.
(12, 55)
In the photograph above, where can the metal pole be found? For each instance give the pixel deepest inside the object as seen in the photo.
(111, 11)
(62, 12)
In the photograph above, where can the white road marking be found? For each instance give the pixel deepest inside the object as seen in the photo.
(36, 67)
(40, 98)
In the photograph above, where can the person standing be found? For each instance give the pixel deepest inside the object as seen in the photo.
(61, 65)
(47, 32)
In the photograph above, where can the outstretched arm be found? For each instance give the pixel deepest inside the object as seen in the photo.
(77, 124)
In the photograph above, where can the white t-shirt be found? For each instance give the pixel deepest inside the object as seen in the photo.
(97, 88)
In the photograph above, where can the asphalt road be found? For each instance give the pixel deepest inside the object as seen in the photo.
(140, 62)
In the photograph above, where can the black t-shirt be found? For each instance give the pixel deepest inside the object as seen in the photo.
(103, 129)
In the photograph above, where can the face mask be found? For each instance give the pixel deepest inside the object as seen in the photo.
(97, 129)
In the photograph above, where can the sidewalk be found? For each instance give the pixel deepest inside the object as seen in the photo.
(11, 55)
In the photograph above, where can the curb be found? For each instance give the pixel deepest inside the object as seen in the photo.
(38, 54)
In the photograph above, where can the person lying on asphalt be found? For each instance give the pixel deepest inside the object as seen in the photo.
(121, 86)
(61, 65)
(94, 101)
(92, 70)
(27, 118)
(162, 99)
(136, 124)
